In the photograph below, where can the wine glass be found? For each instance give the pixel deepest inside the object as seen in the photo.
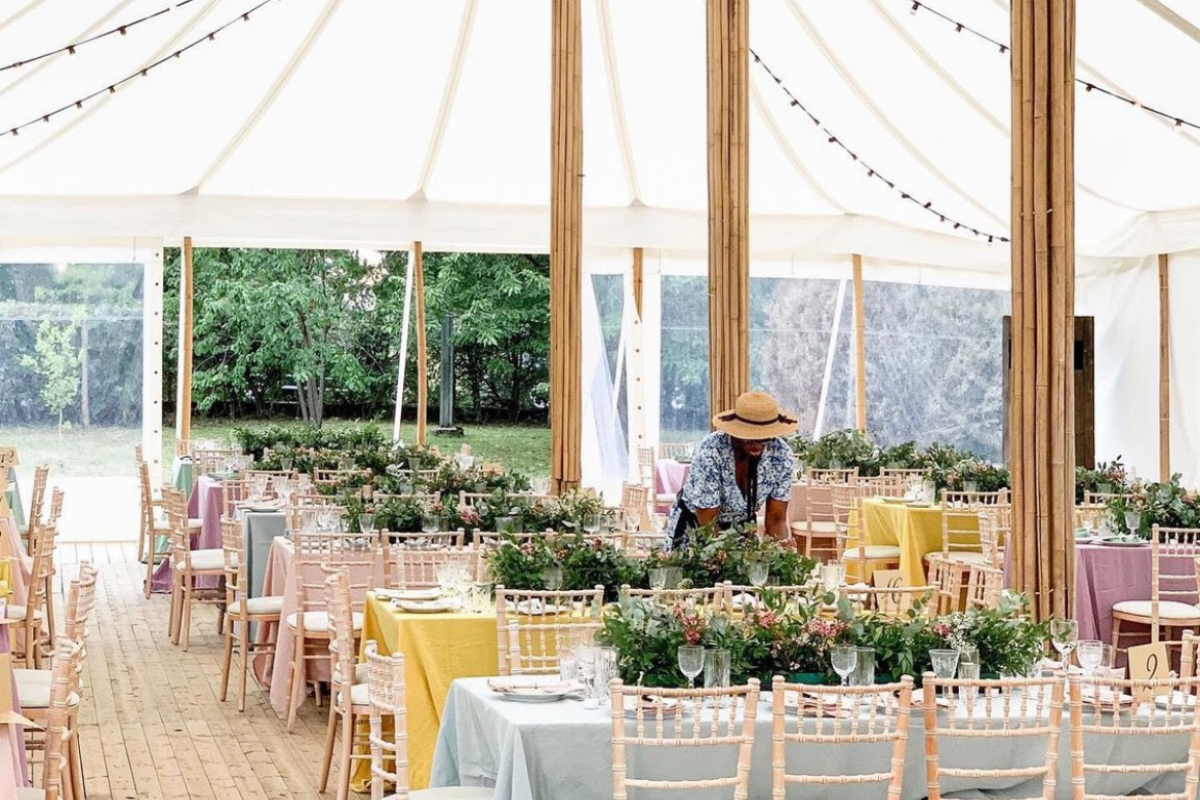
(285, 463)
(430, 523)
(945, 663)
(658, 578)
(1133, 521)
(1090, 653)
(366, 523)
(844, 659)
(591, 523)
(553, 578)
(758, 572)
(1064, 635)
(691, 662)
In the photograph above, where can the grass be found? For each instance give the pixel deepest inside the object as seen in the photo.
(104, 452)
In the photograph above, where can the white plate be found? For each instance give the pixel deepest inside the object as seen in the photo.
(534, 608)
(520, 696)
(896, 500)
(651, 705)
(1111, 542)
(439, 606)
(418, 595)
(1181, 700)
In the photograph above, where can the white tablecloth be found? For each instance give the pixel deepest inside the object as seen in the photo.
(562, 750)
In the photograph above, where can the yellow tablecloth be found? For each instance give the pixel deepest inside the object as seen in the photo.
(917, 531)
(438, 649)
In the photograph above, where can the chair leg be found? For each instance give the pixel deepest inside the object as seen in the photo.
(50, 609)
(226, 663)
(141, 547)
(173, 624)
(296, 696)
(343, 791)
(150, 567)
(1116, 633)
(187, 612)
(327, 760)
(244, 659)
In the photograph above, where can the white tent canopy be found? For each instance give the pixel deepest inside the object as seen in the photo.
(373, 123)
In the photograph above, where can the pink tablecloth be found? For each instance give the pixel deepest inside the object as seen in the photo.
(205, 505)
(14, 767)
(280, 579)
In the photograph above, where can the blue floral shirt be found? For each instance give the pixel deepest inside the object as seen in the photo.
(712, 480)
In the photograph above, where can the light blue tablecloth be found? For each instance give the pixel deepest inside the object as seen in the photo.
(562, 750)
(12, 495)
(181, 475)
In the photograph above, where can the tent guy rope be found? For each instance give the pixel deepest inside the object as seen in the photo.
(111, 88)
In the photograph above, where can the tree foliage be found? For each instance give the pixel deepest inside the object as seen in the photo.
(57, 363)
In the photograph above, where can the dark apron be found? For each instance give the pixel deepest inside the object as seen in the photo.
(688, 521)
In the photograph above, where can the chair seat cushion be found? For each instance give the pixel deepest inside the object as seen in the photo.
(453, 793)
(826, 527)
(318, 621)
(359, 695)
(195, 524)
(271, 605)
(665, 497)
(206, 560)
(872, 552)
(1167, 609)
(36, 694)
(30, 676)
(361, 673)
(30, 793)
(959, 557)
(18, 613)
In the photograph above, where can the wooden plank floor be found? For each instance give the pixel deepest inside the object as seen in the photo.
(152, 725)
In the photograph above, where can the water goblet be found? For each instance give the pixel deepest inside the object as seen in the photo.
(1089, 652)
(430, 523)
(658, 578)
(1133, 521)
(674, 577)
(591, 523)
(366, 523)
(552, 577)
(691, 662)
(1064, 635)
(864, 668)
(844, 658)
(758, 572)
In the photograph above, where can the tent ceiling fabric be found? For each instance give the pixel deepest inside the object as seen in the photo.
(372, 122)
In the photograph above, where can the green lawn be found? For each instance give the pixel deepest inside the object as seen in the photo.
(98, 451)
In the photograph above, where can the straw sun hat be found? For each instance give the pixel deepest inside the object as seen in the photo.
(756, 416)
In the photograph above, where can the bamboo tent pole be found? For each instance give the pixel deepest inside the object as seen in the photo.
(418, 261)
(1164, 368)
(566, 246)
(1042, 424)
(183, 394)
(403, 365)
(639, 256)
(860, 350)
(728, 28)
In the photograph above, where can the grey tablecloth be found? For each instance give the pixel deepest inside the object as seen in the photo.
(561, 750)
(260, 529)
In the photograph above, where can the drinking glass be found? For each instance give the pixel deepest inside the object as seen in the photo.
(831, 576)
(758, 572)
(968, 670)
(674, 577)
(603, 671)
(864, 669)
(366, 523)
(658, 578)
(1109, 658)
(504, 524)
(970, 486)
(552, 577)
(716, 670)
(591, 523)
(691, 662)
(1133, 521)
(1089, 652)
(430, 523)
(1064, 635)
(844, 658)
(945, 662)
(568, 667)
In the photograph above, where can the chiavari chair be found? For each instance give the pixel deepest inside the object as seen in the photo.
(530, 625)
(242, 611)
(188, 567)
(1172, 589)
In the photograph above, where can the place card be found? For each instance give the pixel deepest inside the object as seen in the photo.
(1148, 662)
(8, 457)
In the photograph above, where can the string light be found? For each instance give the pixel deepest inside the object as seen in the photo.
(122, 29)
(111, 88)
(872, 172)
(1180, 122)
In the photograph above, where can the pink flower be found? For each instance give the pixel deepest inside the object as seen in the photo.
(766, 618)
(941, 629)
(825, 628)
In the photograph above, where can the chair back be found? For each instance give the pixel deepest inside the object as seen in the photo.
(1190, 646)
(645, 457)
(634, 498)
(385, 689)
(147, 498)
(366, 558)
(985, 585)
(675, 449)
(530, 625)
(831, 475)
(1173, 577)
(823, 721)
(995, 524)
(1106, 713)
(891, 600)
(439, 540)
(882, 486)
(208, 461)
(81, 602)
(37, 500)
(1016, 708)
(638, 723)
(1102, 498)
(236, 584)
(960, 519)
(946, 577)
(175, 504)
(418, 568)
(713, 598)
(233, 491)
(340, 606)
(68, 658)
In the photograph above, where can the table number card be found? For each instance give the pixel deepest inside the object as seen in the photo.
(8, 457)
(1148, 662)
(888, 603)
(889, 579)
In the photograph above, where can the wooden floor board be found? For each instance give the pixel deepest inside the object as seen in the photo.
(152, 725)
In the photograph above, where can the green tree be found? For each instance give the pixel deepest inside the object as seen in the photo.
(57, 362)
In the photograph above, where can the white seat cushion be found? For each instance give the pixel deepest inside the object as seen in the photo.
(453, 793)
(665, 497)
(195, 524)
(958, 557)
(31, 676)
(258, 606)
(36, 694)
(818, 526)
(206, 560)
(359, 695)
(873, 551)
(18, 613)
(361, 674)
(318, 621)
(1167, 609)
(30, 793)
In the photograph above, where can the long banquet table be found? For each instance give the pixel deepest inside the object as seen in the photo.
(562, 750)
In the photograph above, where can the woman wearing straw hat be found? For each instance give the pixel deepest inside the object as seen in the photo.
(738, 468)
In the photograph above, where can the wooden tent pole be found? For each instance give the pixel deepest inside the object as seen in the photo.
(418, 257)
(860, 350)
(1042, 422)
(728, 27)
(639, 256)
(183, 394)
(1164, 368)
(566, 246)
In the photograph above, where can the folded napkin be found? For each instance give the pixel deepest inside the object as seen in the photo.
(508, 686)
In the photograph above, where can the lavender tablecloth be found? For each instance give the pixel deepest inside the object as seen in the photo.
(204, 504)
